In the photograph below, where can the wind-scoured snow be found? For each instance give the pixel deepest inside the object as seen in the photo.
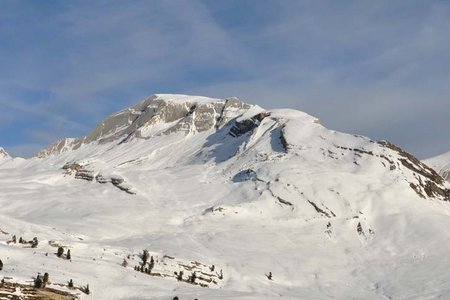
(252, 192)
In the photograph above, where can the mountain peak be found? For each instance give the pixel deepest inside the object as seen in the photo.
(3, 153)
(159, 114)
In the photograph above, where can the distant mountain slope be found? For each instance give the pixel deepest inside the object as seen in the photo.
(3, 153)
(441, 164)
(231, 192)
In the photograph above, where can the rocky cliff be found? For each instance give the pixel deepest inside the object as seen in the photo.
(160, 114)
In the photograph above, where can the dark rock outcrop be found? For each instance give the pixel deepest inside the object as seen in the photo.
(431, 184)
(242, 127)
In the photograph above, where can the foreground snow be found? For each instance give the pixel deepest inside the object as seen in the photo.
(331, 215)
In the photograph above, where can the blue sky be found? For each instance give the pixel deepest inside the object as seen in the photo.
(377, 68)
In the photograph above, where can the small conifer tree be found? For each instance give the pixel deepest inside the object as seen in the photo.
(34, 242)
(151, 265)
(145, 256)
(70, 285)
(180, 276)
(68, 255)
(38, 282)
(60, 252)
(192, 278)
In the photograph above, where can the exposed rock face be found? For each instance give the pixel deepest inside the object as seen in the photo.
(59, 147)
(241, 127)
(81, 171)
(157, 115)
(430, 183)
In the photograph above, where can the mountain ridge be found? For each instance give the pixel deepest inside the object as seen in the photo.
(188, 113)
(441, 164)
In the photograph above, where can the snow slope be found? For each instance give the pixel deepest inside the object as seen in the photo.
(201, 182)
(441, 164)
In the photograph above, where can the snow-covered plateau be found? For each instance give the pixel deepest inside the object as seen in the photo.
(231, 202)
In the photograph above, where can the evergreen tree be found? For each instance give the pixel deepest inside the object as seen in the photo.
(46, 277)
(1, 265)
(192, 278)
(70, 285)
(60, 252)
(14, 239)
(145, 256)
(86, 290)
(34, 243)
(124, 263)
(151, 265)
(180, 276)
(38, 282)
(69, 256)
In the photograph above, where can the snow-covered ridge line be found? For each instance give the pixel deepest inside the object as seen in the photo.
(180, 98)
(441, 164)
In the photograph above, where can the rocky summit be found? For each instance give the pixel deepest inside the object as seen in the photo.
(195, 197)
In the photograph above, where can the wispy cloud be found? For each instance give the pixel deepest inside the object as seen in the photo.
(371, 67)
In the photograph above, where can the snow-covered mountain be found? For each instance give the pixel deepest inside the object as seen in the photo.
(259, 204)
(441, 164)
(3, 154)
